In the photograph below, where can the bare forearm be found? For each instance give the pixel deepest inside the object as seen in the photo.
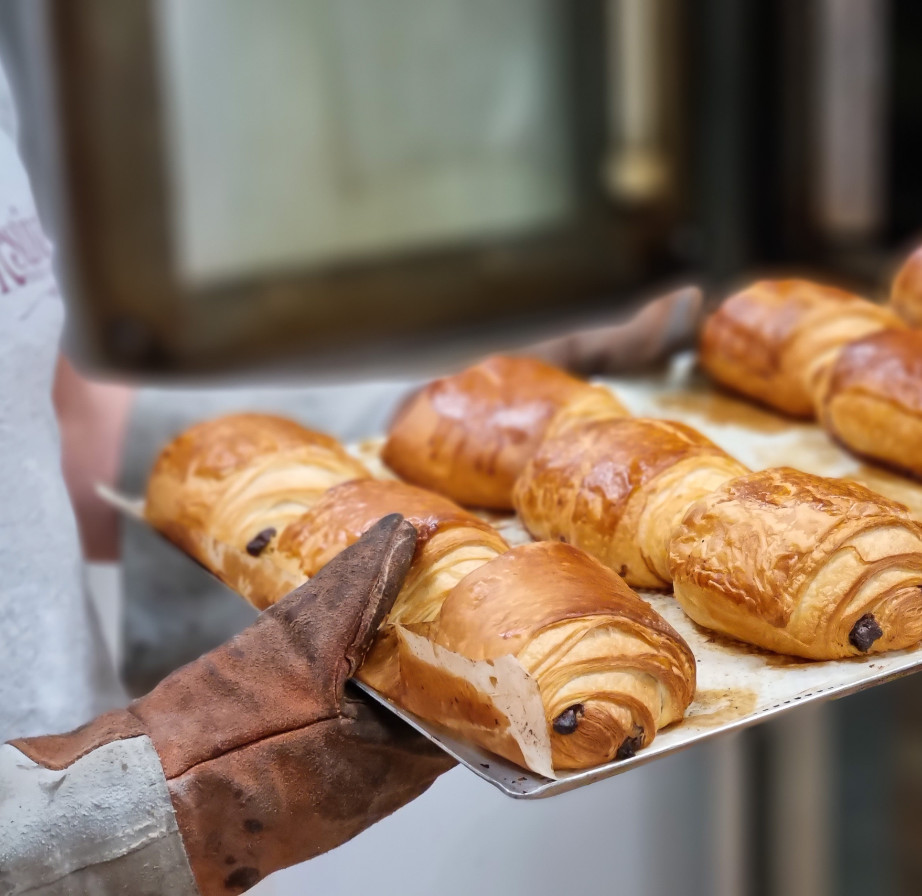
(92, 418)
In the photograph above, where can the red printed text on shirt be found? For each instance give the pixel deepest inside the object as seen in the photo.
(24, 251)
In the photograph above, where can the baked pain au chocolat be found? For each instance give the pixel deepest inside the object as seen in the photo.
(801, 565)
(610, 670)
(872, 403)
(224, 489)
(451, 541)
(618, 489)
(469, 435)
(776, 340)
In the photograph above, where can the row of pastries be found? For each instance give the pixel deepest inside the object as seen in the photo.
(609, 670)
(813, 351)
(804, 565)
(790, 562)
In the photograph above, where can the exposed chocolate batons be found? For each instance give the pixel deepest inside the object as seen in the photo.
(605, 664)
(865, 632)
(257, 544)
(630, 746)
(567, 721)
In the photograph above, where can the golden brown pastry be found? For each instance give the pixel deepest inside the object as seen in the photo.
(777, 340)
(610, 670)
(225, 488)
(798, 564)
(451, 541)
(468, 436)
(619, 488)
(873, 401)
(594, 404)
(906, 291)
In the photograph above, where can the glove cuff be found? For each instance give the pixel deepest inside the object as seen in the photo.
(60, 751)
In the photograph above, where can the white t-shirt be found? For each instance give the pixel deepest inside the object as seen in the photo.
(54, 670)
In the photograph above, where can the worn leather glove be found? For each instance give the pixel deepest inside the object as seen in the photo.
(269, 759)
(661, 327)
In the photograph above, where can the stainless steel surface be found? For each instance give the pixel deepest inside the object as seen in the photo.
(521, 784)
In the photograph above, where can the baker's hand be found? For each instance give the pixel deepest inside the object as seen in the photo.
(661, 327)
(269, 758)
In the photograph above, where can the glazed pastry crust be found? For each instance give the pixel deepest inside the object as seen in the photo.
(468, 436)
(593, 647)
(906, 292)
(797, 564)
(873, 401)
(777, 340)
(451, 541)
(618, 488)
(585, 637)
(224, 481)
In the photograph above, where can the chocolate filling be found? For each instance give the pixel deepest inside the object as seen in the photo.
(258, 543)
(630, 745)
(864, 633)
(567, 721)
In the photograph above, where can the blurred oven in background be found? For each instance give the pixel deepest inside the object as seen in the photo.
(250, 178)
(334, 181)
(245, 182)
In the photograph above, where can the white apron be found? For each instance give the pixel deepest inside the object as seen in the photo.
(54, 670)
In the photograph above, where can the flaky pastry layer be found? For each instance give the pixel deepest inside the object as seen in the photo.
(618, 488)
(468, 436)
(873, 400)
(799, 564)
(611, 671)
(239, 480)
(776, 340)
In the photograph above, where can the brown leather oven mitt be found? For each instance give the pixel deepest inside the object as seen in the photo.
(268, 759)
(660, 328)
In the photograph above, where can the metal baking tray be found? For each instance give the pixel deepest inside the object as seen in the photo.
(738, 685)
